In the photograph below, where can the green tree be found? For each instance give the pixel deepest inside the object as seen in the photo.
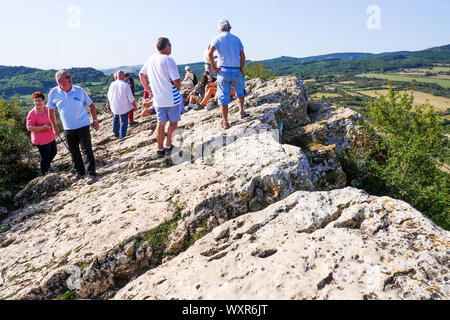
(257, 70)
(15, 146)
(404, 141)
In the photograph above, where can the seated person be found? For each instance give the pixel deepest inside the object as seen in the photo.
(197, 93)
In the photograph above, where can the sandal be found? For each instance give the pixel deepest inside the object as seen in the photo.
(225, 125)
(244, 115)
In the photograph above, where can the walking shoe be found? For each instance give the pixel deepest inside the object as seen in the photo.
(160, 153)
(168, 150)
(91, 179)
(199, 107)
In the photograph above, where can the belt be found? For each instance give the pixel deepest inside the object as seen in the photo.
(239, 68)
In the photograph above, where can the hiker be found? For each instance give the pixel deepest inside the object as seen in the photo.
(197, 94)
(231, 60)
(188, 81)
(42, 135)
(207, 62)
(130, 81)
(210, 77)
(106, 108)
(160, 73)
(122, 101)
(71, 102)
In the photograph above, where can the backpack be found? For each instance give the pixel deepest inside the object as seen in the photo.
(194, 81)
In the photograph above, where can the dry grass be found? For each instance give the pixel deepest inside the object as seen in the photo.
(439, 103)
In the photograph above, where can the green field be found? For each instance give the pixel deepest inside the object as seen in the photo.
(445, 83)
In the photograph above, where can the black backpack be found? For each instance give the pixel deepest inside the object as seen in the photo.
(194, 81)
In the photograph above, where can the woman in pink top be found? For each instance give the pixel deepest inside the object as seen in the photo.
(42, 135)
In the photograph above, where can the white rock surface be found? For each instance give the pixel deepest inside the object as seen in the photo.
(342, 244)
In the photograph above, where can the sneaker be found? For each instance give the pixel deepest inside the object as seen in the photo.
(160, 153)
(199, 107)
(168, 150)
(91, 179)
(191, 106)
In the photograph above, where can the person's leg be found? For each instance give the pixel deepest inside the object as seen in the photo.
(44, 152)
(53, 151)
(238, 85)
(223, 89)
(86, 146)
(73, 142)
(116, 125)
(123, 125)
(208, 95)
(131, 116)
(174, 117)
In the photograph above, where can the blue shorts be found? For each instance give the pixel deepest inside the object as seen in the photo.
(171, 114)
(225, 78)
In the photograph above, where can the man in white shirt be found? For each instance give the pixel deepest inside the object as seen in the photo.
(160, 76)
(121, 101)
(188, 81)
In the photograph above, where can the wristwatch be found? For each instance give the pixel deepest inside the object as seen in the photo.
(95, 120)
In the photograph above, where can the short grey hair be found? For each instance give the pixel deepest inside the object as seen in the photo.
(187, 68)
(59, 74)
(223, 25)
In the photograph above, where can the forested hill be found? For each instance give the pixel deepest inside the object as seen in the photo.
(24, 81)
(354, 63)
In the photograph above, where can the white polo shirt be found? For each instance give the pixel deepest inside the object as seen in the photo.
(161, 70)
(120, 97)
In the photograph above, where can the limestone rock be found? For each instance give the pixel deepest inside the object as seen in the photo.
(143, 212)
(340, 244)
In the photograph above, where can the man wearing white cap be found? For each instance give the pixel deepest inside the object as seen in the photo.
(229, 69)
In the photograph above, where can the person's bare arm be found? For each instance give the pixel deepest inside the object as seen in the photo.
(94, 116)
(52, 118)
(39, 128)
(242, 57)
(211, 59)
(177, 83)
(144, 81)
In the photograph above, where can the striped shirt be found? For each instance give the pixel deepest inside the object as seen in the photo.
(162, 70)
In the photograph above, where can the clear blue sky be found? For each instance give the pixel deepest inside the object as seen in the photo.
(111, 33)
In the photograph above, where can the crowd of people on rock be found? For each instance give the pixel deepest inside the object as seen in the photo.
(162, 84)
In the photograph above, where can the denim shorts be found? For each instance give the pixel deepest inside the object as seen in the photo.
(171, 114)
(225, 78)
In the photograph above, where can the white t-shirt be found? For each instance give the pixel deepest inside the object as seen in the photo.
(120, 97)
(161, 70)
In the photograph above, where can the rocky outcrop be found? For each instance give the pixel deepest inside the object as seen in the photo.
(92, 239)
(342, 244)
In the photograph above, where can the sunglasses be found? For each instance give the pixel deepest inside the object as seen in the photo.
(68, 77)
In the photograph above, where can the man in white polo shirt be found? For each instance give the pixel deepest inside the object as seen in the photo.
(121, 101)
(160, 76)
(71, 102)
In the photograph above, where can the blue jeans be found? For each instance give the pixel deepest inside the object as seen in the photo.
(225, 78)
(122, 122)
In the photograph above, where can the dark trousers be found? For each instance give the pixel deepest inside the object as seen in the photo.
(47, 153)
(75, 139)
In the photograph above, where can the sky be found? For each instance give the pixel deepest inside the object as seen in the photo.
(55, 34)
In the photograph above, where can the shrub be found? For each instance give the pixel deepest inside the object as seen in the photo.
(258, 70)
(400, 151)
(15, 145)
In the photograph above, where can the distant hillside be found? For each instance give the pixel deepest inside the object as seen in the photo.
(358, 63)
(24, 81)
